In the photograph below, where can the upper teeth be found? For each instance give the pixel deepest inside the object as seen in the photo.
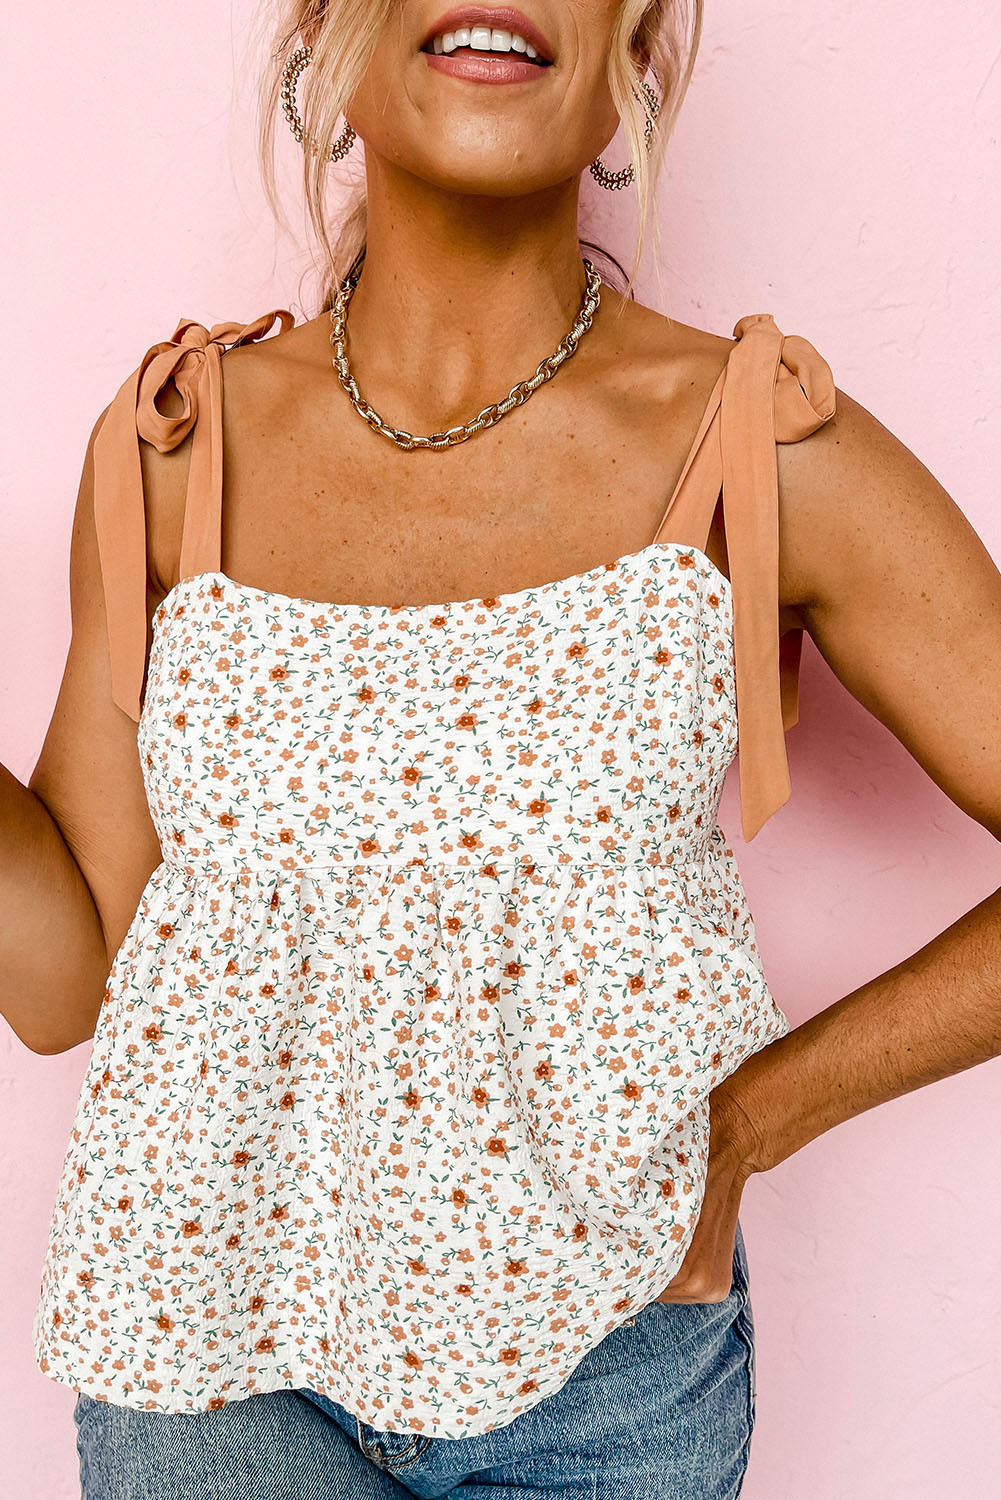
(482, 39)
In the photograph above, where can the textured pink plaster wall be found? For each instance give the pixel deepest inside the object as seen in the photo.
(835, 165)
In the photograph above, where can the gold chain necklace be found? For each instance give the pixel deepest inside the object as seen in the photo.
(490, 414)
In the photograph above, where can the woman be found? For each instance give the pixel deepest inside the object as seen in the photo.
(435, 1052)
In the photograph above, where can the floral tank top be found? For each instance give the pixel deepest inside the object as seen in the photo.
(400, 1086)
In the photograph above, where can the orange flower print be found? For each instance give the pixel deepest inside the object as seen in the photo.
(415, 1027)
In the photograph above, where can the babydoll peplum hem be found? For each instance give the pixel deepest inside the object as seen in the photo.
(400, 1087)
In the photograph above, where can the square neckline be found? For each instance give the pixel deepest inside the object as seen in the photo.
(510, 598)
(772, 388)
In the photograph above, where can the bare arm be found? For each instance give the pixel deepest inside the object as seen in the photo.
(76, 844)
(904, 602)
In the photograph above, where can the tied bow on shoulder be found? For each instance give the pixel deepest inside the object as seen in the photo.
(776, 388)
(191, 362)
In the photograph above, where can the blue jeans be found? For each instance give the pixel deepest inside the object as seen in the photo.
(661, 1409)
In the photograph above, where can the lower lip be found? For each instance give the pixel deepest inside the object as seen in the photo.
(485, 68)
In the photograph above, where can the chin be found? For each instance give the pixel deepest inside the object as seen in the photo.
(488, 174)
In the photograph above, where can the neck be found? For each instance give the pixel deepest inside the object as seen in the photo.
(460, 297)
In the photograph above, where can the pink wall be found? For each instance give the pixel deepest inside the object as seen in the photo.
(837, 166)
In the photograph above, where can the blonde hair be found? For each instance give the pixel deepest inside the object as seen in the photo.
(343, 34)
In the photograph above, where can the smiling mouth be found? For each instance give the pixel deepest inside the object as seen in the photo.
(486, 42)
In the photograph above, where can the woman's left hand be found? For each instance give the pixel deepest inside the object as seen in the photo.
(707, 1271)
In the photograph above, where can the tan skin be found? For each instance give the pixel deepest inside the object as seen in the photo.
(472, 276)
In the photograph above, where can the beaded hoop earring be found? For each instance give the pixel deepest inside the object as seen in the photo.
(298, 61)
(622, 178)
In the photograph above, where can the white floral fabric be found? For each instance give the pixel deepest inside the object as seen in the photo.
(399, 1089)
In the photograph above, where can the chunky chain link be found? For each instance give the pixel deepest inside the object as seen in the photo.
(490, 414)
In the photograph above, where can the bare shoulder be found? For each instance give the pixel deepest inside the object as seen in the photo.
(265, 373)
(856, 501)
(900, 595)
(259, 380)
(653, 337)
(652, 361)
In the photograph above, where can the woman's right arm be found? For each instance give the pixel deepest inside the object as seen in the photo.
(77, 844)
